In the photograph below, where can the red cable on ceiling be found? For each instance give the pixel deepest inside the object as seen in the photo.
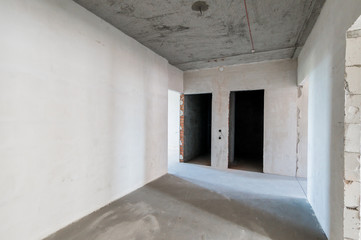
(249, 26)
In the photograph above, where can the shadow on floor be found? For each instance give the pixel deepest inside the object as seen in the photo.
(252, 165)
(204, 160)
(172, 208)
(257, 216)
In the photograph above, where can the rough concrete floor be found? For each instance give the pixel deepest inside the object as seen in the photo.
(204, 160)
(197, 202)
(252, 165)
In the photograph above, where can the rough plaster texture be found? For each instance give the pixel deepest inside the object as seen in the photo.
(83, 116)
(322, 61)
(302, 130)
(220, 36)
(278, 79)
(352, 132)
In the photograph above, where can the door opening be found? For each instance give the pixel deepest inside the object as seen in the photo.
(246, 118)
(197, 128)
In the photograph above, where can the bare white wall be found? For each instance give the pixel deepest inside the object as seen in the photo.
(175, 86)
(322, 61)
(173, 126)
(83, 116)
(278, 78)
(175, 77)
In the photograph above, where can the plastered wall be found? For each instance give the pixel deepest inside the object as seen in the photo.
(83, 116)
(278, 79)
(175, 77)
(173, 126)
(322, 61)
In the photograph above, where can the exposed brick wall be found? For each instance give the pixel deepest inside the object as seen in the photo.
(181, 135)
(352, 136)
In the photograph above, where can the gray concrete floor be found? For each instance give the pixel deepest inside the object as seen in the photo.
(239, 163)
(252, 165)
(198, 202)
(204, 160)
(303, 183)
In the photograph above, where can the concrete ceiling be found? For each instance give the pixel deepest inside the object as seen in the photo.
(220, 36)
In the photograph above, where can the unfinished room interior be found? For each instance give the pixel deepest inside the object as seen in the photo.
(180, 119)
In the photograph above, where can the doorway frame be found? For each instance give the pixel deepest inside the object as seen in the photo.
(182, 122)
(231, 120)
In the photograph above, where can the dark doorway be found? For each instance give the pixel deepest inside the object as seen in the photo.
(197, 128)
(246, 130)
